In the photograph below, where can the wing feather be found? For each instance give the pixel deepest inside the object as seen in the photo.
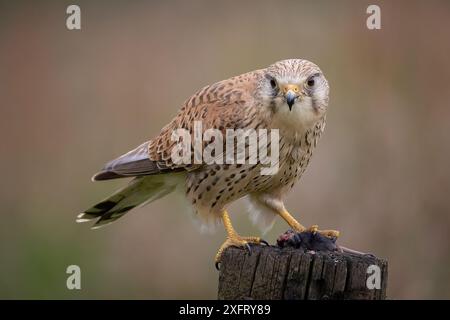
(224, 105)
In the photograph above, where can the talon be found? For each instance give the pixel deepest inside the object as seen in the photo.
(313, 229)
(233, 239)
(265, 242)
(217, 264)
(330, 233)
(249, 249)
(327, 233)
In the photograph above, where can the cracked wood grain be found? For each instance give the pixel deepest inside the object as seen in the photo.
(273, 273)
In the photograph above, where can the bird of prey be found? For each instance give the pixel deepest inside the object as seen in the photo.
(289, 95)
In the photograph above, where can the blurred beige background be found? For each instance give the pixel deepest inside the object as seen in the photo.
(72, 100)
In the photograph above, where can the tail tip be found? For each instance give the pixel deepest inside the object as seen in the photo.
(81, 218)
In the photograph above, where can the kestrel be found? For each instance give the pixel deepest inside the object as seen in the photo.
(290, 95)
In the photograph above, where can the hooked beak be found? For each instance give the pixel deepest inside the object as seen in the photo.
(290, 99)
(291, 93)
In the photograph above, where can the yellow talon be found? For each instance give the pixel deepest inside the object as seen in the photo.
(326, 233)
(294, 224)
(314, 228)
(234, 240)
(330, 233)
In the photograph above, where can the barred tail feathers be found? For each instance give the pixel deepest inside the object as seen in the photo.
(138, 192)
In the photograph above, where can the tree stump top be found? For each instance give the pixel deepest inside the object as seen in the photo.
(292, 274)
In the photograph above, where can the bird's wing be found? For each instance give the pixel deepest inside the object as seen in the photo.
(224, 105)
(131, 164)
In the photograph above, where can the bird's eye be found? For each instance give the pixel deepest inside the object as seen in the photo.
(311, 82)
(273, 83)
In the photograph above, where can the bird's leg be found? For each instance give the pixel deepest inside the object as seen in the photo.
(233, 239)
(294, 224)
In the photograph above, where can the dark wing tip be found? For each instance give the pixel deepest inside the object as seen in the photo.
(133, 163)
(106, 175)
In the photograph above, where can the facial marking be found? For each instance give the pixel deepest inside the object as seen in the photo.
(296, 93)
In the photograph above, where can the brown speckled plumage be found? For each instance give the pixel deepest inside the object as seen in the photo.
(255, 100)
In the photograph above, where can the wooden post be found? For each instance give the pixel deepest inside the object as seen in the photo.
(291, 274)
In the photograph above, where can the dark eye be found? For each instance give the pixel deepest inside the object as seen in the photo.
(311, 82)
(273, 83)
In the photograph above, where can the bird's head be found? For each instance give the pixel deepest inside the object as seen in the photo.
(296, 93)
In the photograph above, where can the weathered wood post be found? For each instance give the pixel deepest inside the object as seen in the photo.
(286, 273)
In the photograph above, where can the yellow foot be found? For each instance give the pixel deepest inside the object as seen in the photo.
(237, 241)
(326, 233)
